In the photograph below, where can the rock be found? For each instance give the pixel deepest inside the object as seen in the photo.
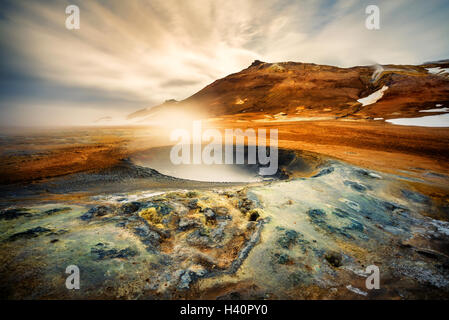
(316, 213)
(198, 271)
(351, 204)
(130, 207)
(283, 174)
(164, 234)
(422, 274)
(282, 258)
(191, 194)
(243, 254)
(58, 233)
(256, 63)
(122, 224)
(217, 234)
(288, 238)
(221, 211)
(318, 218)
(186, 223)
(149, 237)
(193, 204)
(98, 211)
(164, 209)
(186, 277)
(229, 194)
(355, 186)
(56, 210)
(226, 217)
(340, 213)
(245, 205)
(390, 206)
(102, 254)
(210, 214)
(296, 278)
(30, 233)
(199, 238)
(87, 216)
(415, 196)
(368, 174)
(355, 225)
(356, 290)
(184, 281)
(230, 296)
(10, 214)
(324, 172)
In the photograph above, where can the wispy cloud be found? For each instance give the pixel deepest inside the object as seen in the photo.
(132, 54)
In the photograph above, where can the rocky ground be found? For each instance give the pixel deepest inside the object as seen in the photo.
(305, 236)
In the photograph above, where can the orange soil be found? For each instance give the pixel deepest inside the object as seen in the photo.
(371, 144)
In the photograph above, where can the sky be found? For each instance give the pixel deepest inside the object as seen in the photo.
(129, 55)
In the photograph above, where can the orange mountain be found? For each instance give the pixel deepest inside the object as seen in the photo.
(291, 89)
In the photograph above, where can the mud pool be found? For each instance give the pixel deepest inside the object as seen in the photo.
(238, 170)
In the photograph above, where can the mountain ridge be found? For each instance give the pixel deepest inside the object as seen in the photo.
(298, 89)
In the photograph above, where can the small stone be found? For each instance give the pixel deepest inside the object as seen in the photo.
(56, 210)
(130, 207)
(30, 233)
(221, 211)
(316, 213)
(217, 234)
(10, 214)
(288, 238)
(95, 212)
(102, 254)
(283, 258)
(415, 196)
(193, 204)
(184, 281)
(209, 213)
(185, 223)
(355, 186)
(324, 172)
(199, 238)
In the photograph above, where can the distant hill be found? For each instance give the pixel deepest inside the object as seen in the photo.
(292, 89)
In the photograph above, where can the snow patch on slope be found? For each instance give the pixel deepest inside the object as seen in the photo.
(436, 110)
(439, 121)
(439, 71)
(374, 97)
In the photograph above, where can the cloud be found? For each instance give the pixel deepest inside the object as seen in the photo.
(133, 54)
(176, 83)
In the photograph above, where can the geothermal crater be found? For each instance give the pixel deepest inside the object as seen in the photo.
(284, 163)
